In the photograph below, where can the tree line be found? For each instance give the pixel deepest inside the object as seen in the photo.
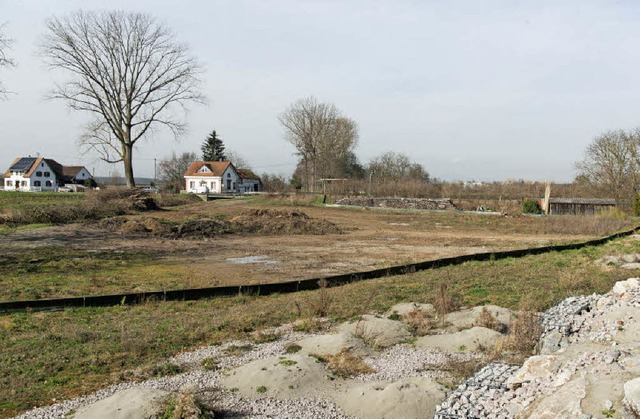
(129, 73)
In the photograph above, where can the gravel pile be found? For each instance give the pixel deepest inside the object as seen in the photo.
(416, 362)
(476, 397)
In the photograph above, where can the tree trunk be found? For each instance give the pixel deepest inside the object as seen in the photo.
(128, 165)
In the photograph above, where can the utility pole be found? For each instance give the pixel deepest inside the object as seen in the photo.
(370, 175)
(155, 166)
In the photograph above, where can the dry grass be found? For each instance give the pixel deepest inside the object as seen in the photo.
(523, 336)
(344, 364)
(420, 323)
(185, 406)
(444, 301)
(486, 319)
(321, 302)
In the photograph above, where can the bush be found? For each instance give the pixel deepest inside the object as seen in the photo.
(530, 206)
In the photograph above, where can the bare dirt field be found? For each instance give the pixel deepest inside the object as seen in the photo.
(356, 240)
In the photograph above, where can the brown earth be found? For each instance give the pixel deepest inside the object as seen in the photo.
(242, 242)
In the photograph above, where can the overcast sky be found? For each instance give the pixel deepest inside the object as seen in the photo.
(486, 90)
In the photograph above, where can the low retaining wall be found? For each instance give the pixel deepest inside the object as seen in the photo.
(444, 204)
(289, 286)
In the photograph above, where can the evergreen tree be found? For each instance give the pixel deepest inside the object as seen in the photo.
(213, 148)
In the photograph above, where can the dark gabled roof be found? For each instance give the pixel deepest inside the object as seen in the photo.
(583, 201)
(71, 171)
(247, 174)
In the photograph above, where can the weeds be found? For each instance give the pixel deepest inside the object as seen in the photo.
(488, 320)
(420, 323)
(321, 301)
(184, 406)
(292, 349)
(344, 364)
(524, 333)
(444, 301)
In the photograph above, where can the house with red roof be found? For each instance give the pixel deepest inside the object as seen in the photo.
(212, 177)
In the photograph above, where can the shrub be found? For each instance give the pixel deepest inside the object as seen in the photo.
(530, 206)
(419, 322)
(636, 205)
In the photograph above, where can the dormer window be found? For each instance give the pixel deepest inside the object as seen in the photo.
(204, 169)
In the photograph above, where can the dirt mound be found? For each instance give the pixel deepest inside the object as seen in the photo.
(200, 229)
(140, 225)
(266, 221)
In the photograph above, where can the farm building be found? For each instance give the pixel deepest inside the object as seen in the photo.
(35, 174)
(579, 206)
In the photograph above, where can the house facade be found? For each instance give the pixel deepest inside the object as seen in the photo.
(34, 174)
(212, 177)
(250, 182)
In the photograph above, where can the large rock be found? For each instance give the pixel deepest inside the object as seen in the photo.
(621, 288)
(377, 332)
(465, 319)
(632, 395)
(563, 403)
(278, 376)
(133, 403)
(536, 367)
(404, 308)
(474, 339)
(331, 344)
(408, 398)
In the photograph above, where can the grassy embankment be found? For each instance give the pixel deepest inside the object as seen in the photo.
(56, 355)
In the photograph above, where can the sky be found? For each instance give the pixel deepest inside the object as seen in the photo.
(484, 90)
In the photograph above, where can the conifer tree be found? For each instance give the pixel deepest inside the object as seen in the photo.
(213, 148)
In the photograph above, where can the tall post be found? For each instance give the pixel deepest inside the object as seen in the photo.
(547, 196)
(155, 166)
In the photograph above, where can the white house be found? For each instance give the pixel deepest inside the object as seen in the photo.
(212, 177)
(30, 174)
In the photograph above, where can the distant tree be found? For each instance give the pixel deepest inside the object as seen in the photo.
(322, 136)
(392, 166)
(275, 183)
(172, 170)
(127, 71)
(213, 148)
(612, 162)
(237, 160)
(5, 61)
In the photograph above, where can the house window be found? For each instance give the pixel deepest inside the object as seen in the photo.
(9, 183)
(48, 183)
(47, 174)
(38, 174)
(228, 175)
(24, 183)
(36, 183)
(228, 183)
(192, 184)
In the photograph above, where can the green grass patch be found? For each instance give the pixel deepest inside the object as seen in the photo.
(47, 355)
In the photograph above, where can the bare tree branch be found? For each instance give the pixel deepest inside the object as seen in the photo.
(5, 60)
(128, 71)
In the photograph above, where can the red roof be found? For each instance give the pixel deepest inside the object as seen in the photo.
(216, 168)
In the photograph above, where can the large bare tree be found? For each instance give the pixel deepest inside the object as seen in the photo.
(612, 162)
(322, 136)
(5, 60)
(128, 71)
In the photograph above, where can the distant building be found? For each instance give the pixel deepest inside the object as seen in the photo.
(34, 174)
(579, 206)
(250, 182)
(212, 177)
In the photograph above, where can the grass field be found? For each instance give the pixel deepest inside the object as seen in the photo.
(56, 355)
(10, 199)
